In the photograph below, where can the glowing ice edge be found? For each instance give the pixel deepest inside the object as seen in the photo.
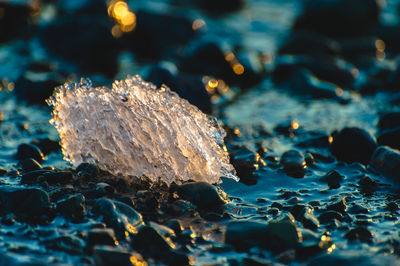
(136, 129)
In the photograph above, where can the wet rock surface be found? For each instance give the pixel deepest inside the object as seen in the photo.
(306, 90)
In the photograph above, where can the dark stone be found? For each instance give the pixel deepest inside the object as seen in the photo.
(181, 207)
(149, 40)
(324, 72)
(368, 185)
(333, 178)
(150, 241)
(244, 160)
(117, 215)
(208, 58)
(101, 236)
(392, 206)
(339, 18)
(386, 161)
(92, 47)
(314, 139)
(222, 6)
(30, 164)
(353, 144)
(188, 87)
(293, 163)
(47, 145)
(57, 177)
(175, 225)
(329, 216)
(361, 234)
(3, 171)
(305, 214)
(308, 43)
(70, 244)
(106, 255)
(87, 171)
(26, 151)
(23, 202)
(32, 177)
(202, 194)
(339, 206)
(357, 209)
(390, 137)
(72, 206)
(36, 91)
(15, 19)
(278, 235)
(389, 121)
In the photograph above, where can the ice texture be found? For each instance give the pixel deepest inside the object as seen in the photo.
(136, 129)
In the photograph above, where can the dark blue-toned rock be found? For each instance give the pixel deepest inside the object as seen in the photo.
(119, 216)
(101, 236)
(333, 179)
(87, 171)
(324, 68)
(293, 163)
(386, 161)
(108, 255)
(339, 18)
(30, 164)
(36, 91)
(92, 48)
(26, 151)
(70, 244)
(149, 40)
(244, 161)
(308, 43)
(202, 194)
(361, 234)
(47, 145)
(353, 144)
(278, 235)
(16, 19)
(24, 202)
(72, 206)
(389, 121)
(390, 137)
(189, 87)
(207, 57)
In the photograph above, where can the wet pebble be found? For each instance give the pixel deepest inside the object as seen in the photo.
(338, 206)
(353, 144)
(30, 164)
(322, 17)
(278, 235)
(202, 194)
(390, 137)
(117, 215)
(333, 179)
(107, 255)
(25, 202)
(72, 206)
(386, 161)
(87, 171)
(26, 151)
(101, 236)
(244, 161)
(47, 145)
(293, 163)
(361, 234)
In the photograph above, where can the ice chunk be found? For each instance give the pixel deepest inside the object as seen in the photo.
(136, 129)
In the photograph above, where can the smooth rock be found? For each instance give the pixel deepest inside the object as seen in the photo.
(389, 121)
(107, 255)
(361, 234)
(339, 18)
(353, 144)
(278, 235)
(386, 161)
(26, 151)
(87, 171)
(202, 194)
(119, 216)
(47, 145)
(293, 163)
(244, 160)
(101, 236)
(24, 202)
(390, 137)
(30, 164)
(333, 179)
(72, 206)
